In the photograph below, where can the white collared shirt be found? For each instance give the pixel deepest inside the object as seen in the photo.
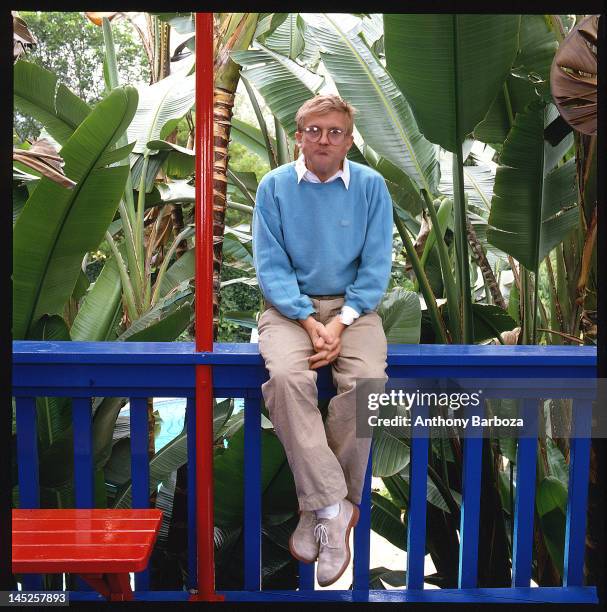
(308, 175)
(347, 314)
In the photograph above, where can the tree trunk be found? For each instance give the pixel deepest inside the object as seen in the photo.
(222, 117)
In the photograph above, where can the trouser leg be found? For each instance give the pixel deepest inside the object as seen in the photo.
(363, 355)
(291, 397)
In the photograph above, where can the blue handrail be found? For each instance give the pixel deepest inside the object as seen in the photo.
(83, 370)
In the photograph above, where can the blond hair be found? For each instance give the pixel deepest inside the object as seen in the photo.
(323, 104)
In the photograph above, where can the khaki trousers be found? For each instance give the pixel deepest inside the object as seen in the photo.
(328, 461)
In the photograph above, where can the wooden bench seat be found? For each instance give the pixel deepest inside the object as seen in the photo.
(102, 546)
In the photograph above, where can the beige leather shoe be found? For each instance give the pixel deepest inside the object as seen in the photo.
(302, 543)
(334, 537)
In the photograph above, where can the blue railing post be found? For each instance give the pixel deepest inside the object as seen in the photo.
(362, 533)
(470, 508)
(83, 453)
(27, 467)
(190, 416)
(140, 469)
(416, 513)
(252, 495)
(83, 461)
(526, 454)
(579, 467)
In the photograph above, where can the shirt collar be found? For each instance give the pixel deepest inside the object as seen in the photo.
(307, 175)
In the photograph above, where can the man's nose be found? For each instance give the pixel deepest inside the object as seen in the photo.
(324, 137)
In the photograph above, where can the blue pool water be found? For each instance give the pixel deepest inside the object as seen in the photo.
(172, 415)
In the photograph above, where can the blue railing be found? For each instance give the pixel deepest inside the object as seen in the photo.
(82, 370)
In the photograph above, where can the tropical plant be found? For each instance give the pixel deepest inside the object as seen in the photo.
(502, 106)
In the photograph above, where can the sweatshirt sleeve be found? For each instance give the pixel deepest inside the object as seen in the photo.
(371, 281)
(275, 273)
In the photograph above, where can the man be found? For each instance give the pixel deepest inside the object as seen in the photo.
(322, 247)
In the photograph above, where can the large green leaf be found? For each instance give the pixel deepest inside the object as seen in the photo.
(386, 521)
(527, 215)
(165, 321)
(104, 421)
(54, 414)
(58, 226)
(180, 161)
(229, 473)
(390, 454)
(551, 504)
(267, 24)
(251, 137)
(529, 76)
(36, 94)
(182, 270)
(288, 38)
(168, 459)
(450, 68)
(97, 313)
(478, 183)
(284, 84)
(384, 117)
(401, 316)
(237, 250)
(168, 99)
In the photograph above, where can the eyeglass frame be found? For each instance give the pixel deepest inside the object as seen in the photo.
(306, 133)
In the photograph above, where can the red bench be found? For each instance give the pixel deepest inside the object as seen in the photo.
(102, 546)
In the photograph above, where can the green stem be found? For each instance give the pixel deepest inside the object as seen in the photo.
(114, 81)
(526, 303)
(126, 206)
(282, 143)
(435, 317)
(241, 207)
(127, 288)
(445, 493)
(444, 213)
(508, 103)
(263, 126)
(188, 231)
(139, 246)
(461, 245)
(241, 186)
(445, 264)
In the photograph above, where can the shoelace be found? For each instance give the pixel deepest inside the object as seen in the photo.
(321, 534)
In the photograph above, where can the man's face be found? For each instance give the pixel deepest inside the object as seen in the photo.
(322, 157)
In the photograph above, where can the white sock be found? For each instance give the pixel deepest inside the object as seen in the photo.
(328, 512)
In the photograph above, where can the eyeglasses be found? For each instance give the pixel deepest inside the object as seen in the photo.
(335, 135)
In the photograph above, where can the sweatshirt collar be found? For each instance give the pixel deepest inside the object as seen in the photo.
(307, 175)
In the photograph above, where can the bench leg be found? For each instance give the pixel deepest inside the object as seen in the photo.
(114, 587)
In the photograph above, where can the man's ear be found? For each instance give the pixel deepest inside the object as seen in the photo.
(298, 137)
(351, 139)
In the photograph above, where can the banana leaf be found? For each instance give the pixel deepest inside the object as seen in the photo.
(284, 84)
(384, 117)
(58, 226)
(167, 100)
(530, 75)
(401, 316)
(465, 60)
(532, 208)
(37, 94)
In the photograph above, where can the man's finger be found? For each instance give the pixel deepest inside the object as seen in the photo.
(323, 332)
(317, 356)
(319, 364)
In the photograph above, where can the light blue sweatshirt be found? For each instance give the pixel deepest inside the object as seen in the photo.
(322, 239)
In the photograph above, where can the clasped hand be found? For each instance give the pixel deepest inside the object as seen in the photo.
(326, 340)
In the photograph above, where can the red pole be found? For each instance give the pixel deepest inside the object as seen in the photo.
(204, 308)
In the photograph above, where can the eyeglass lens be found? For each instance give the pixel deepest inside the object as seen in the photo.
(334, 135)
